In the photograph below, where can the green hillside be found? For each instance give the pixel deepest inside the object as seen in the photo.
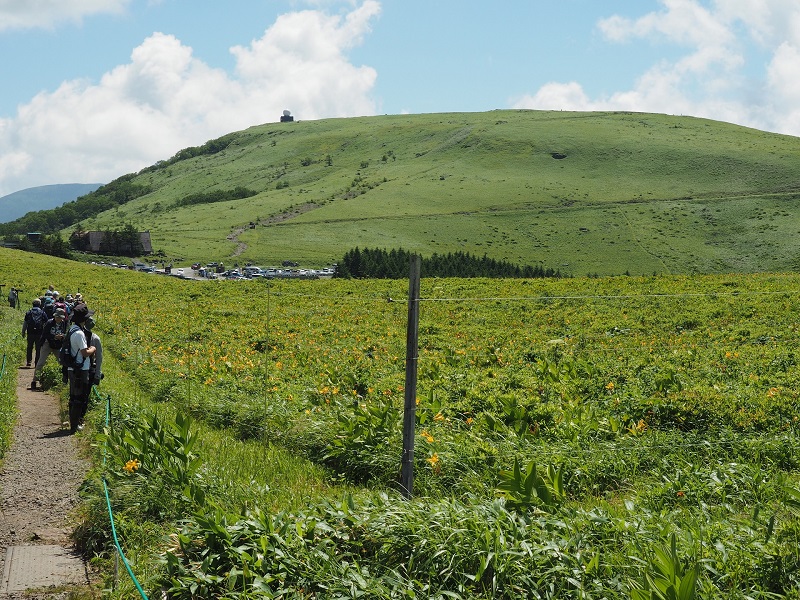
(602, 193)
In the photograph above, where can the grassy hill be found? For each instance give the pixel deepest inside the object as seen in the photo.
(603, 193)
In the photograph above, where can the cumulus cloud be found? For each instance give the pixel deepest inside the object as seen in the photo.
(709, 79)
(301, 60)
(31, 14)
(784, 87)
(166, 99)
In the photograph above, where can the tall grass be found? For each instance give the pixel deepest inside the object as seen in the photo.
(585, 438)
(12, 353)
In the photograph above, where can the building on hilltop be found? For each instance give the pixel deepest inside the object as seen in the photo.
(127, 243)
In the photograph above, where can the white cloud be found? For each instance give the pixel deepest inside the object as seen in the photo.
(30, 14)
(300, 61)
(685, 22)
(769, 22)
(165, 99)
(783, 87)
(710, 78)
(558, 96)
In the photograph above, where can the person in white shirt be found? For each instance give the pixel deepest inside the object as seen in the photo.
(78, 366)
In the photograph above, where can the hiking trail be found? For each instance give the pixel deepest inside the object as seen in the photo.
(39, 482)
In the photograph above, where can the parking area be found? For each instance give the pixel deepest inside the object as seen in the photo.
(215, 271)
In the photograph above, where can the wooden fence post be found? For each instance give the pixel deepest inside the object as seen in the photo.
(412, 354)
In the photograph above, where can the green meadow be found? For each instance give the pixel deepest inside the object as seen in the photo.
(626, 437)
(587, 193)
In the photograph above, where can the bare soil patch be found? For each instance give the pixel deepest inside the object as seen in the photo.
(40, 477)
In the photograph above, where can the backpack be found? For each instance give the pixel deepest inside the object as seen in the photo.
(65, 356)
(49, 308)
(36, 319)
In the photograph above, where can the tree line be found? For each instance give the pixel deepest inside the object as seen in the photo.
(116, 242)
(394, 264)
(237, 193)
(114, 194)
(210, 147)
(54, 244)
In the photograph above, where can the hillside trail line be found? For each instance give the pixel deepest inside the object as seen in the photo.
(241, 247)
(40, 478)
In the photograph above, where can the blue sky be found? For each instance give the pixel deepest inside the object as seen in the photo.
(94, 89)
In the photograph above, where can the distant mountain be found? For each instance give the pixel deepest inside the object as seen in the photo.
(43, 197)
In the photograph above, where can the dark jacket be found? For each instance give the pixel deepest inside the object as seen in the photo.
(48, 307)
(52, 331)
(34, 322)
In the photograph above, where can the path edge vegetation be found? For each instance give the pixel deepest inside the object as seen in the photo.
(307, 522)
(11, 356)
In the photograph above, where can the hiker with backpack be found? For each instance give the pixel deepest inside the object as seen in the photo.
(76, 356)
(50, 342)
(96, 367)
(47, 304)
(58, 302)
(33, 326)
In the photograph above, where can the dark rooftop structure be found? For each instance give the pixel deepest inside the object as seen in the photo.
(96, 238)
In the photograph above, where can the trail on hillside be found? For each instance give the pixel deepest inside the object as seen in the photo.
(40, 478)
(233, 236)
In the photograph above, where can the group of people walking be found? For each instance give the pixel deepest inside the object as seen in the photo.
(63, 326)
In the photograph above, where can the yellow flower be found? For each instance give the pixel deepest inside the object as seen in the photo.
(428, 437)
(610, 385)
(132, 465)
(438, 417)
(638, 428)
(433, 460)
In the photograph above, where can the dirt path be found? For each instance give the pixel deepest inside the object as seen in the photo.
(40, 476)
(233, 236)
